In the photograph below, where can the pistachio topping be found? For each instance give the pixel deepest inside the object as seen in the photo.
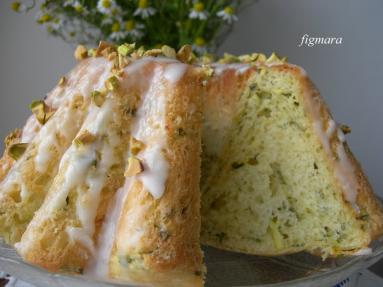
(112, 83)
(101, 47)
(98, 98)
(153, 52)
(41, 111)
(185, 54)
(207, 71)
(126, 49)
(168, 52)
(345, 129)
(80, 53)
(84, 138)
(62, 81)
(274, 58)
(136, 146)
(15, 151)
(12, 137)
(92, 52)
(228, 59)
(134, 167)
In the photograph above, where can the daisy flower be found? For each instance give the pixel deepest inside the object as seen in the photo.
(228, 15)
(134, 29)
(19, 7)
(143, 10)
(198, 11)
(130, 28)
(107, 7)
(199, 46)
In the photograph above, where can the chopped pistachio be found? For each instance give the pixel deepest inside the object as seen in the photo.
(345, 129)
(261, 58)
(15, 151)
(12, 137)
(185, 54)
(92, 52)
(134, 167)
(136, 146)
(274, 58)
(207, 59)
(101, 47)
(98, 98)
(153, 52)
(112, 56)
(122, 61)
(84, 138)
(77, 102)
(80, 53)
(138, 53)
(112, 83)
(38, 108)
(249, 58)
(276, 235)
(168, 52)
(126, 49)
(228, 58)
(62, 81)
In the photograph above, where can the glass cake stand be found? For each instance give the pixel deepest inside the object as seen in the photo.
(224, 269)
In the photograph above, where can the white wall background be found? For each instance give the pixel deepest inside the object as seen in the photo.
(349, 76)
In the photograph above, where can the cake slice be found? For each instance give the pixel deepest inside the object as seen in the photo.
(277, 174)
(124, 204)
(39, 147)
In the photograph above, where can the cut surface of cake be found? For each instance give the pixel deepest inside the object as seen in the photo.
(277, 174)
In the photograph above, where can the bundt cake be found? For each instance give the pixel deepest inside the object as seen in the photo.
(104, 179)
(277, 174)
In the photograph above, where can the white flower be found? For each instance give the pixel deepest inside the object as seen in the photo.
(129, 28)
(228, 15)
(76, 5)
(107, 7)
(19, 7)
(143, 10)
(198, 11)
(199, 46)
(69, 3)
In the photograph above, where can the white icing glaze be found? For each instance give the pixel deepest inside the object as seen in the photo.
(344, 169)
(99, 265)
(30, 129)
(81, 169)
(174, 72)
(149, 127)
(239, 67)
(66, 120)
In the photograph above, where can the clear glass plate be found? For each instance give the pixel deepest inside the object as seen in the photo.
(224, 269)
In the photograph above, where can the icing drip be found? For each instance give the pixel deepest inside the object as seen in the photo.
(344, 169)
(174, 72)
(149, 128)
(82, 170)
(99, 266)
(239, 67)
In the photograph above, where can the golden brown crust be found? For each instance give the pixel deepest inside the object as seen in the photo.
(6, 161)
(169, 244)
